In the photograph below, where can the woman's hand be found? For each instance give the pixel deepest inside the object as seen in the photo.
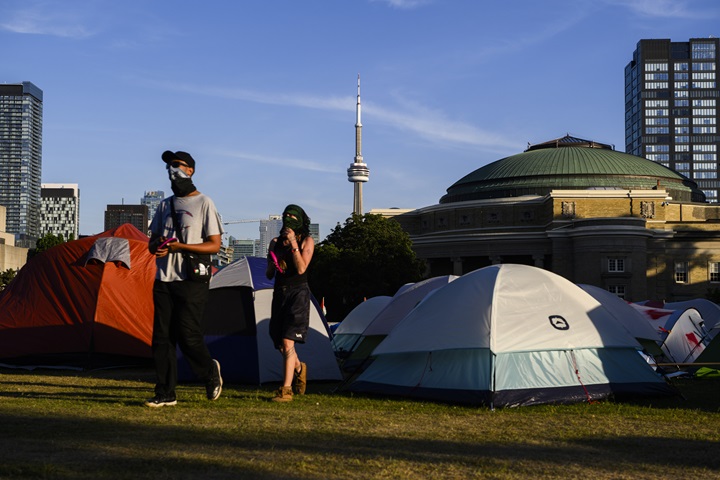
(289, 234)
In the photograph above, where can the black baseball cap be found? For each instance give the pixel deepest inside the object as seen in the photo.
(169, 156)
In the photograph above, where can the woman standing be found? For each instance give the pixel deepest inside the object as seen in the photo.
(289, 256)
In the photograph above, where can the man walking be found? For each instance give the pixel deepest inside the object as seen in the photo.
(186, 223)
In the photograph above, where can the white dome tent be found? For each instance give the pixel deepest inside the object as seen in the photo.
(509, 335)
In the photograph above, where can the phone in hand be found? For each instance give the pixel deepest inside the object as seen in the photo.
(275, 261)
(163, 244)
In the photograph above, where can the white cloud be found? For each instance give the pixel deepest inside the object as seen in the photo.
(37, 20)
(432, 125)
(405, 4)
(662, 8)
(285, 162)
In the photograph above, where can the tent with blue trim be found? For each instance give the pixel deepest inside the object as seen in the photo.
(509, 335)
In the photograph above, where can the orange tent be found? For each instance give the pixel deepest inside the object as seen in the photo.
(82, 299)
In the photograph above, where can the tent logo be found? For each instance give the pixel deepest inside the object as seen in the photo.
(559, 322)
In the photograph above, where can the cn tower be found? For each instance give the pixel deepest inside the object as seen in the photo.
(358, 172)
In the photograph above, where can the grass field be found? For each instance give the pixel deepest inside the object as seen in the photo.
(63, 425)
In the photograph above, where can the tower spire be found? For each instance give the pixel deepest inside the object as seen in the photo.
(358, 173)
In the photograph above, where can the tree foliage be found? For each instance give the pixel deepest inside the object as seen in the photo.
(6, 277)
(45, 243)
(368, 256)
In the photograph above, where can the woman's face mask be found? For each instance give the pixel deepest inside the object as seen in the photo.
(292, 223)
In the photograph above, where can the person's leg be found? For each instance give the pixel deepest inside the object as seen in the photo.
(190, 299)
(287, 350)
(163, 346)
(290, 361)
(298, 324)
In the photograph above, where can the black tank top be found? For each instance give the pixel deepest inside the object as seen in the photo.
(290, 276)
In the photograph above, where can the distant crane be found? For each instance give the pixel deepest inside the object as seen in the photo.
(233, 222)
(251, 220)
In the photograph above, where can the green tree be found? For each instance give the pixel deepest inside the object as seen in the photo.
(6, 277)
(368, 256)
(45, 243)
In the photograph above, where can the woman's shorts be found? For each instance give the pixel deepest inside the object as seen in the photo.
(290, 316)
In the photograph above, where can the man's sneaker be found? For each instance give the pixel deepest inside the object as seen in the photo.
(214, 386)
(161, 401)
(300, 379)
(283, 394)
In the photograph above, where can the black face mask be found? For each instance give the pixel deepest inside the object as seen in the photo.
(182, 186)
(181, 182)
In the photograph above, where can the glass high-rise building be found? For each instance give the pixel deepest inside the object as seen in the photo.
(21, 113)
(137, 215)
(243, 248)
(152, 199)
(269, 229)
(60, 210)
(671, 108)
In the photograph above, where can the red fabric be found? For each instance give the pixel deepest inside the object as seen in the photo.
(58, 304)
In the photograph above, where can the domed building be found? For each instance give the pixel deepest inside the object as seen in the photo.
(582, 210)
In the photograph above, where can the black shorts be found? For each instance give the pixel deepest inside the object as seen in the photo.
(290, 316)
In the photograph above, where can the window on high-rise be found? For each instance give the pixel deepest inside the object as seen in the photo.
(705, 175)
(703, 50)
(698, 112)
(656, 67)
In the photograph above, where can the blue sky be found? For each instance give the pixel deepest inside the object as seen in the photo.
(262, 93)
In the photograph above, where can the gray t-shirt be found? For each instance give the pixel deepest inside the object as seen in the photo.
(198, 218)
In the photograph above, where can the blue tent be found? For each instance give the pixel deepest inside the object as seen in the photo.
(236, 324)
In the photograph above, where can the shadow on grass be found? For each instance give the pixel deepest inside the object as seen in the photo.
(701, 394)
(240, 437)
(60, 447)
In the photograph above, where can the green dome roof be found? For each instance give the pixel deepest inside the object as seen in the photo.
(569, 164)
